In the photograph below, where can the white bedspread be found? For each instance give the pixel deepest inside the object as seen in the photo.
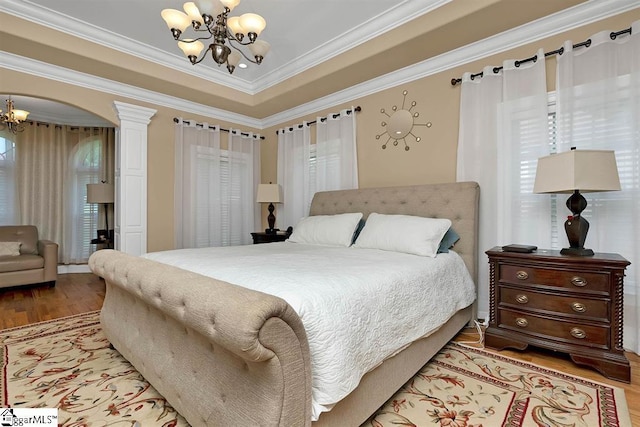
(358, 306)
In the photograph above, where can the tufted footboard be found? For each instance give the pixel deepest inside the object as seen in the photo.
(220, 354)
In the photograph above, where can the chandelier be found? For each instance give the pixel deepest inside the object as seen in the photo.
(13, 118)
(210, 18)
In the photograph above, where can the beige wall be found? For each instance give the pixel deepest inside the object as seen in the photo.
(160, 141)
(431, 160)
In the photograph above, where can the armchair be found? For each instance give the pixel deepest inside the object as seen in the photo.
(24, 259)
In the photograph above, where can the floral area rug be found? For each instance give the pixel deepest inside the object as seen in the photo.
(68, 364)
(468, 387)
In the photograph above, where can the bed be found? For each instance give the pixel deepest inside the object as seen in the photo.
(224, 354)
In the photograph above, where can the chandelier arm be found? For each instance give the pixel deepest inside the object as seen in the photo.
(241, 52)
(204, 55)
(232, 37)
(194, 40)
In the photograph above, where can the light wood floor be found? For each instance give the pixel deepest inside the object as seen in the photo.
(80, 293)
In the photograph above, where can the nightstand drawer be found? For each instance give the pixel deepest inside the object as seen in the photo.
(562, 305)
(568, 332)
(571, 280)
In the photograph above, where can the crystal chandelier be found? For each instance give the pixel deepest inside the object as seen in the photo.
(210, 18)
(13, 118)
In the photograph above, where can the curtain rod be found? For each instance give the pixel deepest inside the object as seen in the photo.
(534, 58)
(176, 120)
(71, 127)
(336, 115)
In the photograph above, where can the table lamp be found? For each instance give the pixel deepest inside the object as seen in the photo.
(577, 171)
(270, 193)
(101, 193)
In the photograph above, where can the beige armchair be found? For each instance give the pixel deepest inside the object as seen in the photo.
(24, 259)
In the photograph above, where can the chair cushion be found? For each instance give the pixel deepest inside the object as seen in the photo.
(22, 262)
(25, 234)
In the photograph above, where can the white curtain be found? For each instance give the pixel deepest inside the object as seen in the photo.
(598, 107)
(214, 186)
(304, 168)
(336, 165)
(244, 177)
(294, 162)
(503, 118)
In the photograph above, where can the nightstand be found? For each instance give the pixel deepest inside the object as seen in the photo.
(108, 244)
(571, 304)
(262, 237)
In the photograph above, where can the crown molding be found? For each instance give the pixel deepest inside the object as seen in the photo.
(566, 20)
(569, 19)
(53, 72)
(70, 119)
(77, 28)
(403, 12)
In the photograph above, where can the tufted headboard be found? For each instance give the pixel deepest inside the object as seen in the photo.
(457, 201)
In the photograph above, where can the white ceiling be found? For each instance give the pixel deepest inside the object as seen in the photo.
(319, 48)
(302, 33)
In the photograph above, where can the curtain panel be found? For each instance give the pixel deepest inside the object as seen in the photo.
(294, 167)
(506, 124)
(598, 108)
(336, 166)
(304, 168)
(503, 120)
(215, 186)
(51, 167)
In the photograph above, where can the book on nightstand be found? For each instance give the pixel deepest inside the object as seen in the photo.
(519, 248)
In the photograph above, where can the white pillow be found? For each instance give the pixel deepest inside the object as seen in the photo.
(329, 230)
(10, 248)
(403, 233)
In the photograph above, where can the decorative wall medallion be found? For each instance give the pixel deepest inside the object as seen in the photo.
(401, 123)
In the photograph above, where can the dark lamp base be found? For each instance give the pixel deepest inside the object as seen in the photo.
(577, 252)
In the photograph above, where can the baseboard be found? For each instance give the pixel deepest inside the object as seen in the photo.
(483, 318)
(73, 268)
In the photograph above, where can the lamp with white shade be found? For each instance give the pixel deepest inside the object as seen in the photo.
(270, 193)
(102, 193)
(577, 171)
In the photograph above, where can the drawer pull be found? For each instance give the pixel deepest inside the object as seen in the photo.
(578, 307)
(522, 299)
(522, 322)
(522, 275)
(578, 333)
(578, 281)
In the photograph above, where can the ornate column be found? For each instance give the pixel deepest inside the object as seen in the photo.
(130, 208)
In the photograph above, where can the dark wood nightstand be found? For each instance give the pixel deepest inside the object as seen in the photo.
(571, 304)
(262, 237)
(106, 244)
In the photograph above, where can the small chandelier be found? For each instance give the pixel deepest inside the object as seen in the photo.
(211, 18)
(13, 118)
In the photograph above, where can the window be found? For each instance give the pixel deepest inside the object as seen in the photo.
(628, 161)
(85, 169)
(217, 195)
(7, 182)
(556, 225)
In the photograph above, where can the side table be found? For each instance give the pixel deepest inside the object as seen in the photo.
(107, 243)
(571, 304)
